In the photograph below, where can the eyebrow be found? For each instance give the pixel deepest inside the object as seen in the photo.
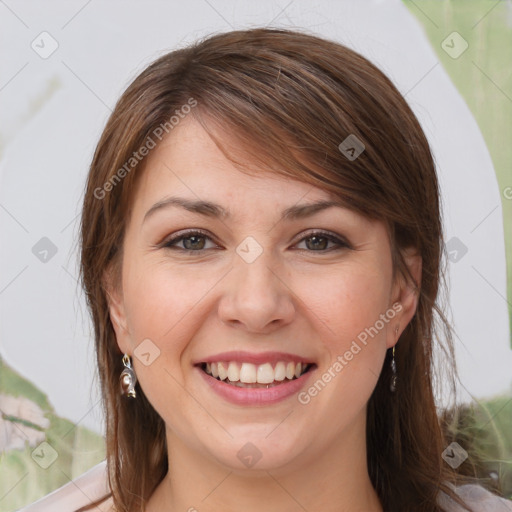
(209, 209)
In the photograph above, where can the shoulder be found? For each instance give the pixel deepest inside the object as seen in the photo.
(476, 497)
(77, 493)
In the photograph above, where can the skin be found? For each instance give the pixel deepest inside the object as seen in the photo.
(293, 298)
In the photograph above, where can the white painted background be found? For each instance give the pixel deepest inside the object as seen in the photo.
(52, 112)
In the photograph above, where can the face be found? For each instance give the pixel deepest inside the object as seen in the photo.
(248, 326)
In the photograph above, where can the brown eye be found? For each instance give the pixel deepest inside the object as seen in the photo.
(193, 241)
(196, 241)
(319, 241)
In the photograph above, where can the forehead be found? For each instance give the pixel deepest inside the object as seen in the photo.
(189, 163)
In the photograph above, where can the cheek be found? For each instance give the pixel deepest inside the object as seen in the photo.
(162, 307)
(160, 299)
(353, 337)
(338, 307)
(354, 342)
(166, 307)
(166, 304)
(351, 302)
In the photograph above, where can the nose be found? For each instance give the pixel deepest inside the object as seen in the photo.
(257, 297)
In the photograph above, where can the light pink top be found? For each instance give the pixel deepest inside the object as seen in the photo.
(93, 484)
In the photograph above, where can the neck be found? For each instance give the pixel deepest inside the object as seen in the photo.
(334, 481)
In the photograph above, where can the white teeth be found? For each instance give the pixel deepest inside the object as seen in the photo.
(223, 371)
(233, 372)
(265, 373)
(280, 371)
(248, 373)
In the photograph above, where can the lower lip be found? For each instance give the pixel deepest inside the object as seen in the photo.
(255, 396)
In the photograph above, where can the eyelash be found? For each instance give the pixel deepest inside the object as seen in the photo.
(170, 244)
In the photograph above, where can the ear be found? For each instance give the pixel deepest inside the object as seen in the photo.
(406, 293)
(117, 310)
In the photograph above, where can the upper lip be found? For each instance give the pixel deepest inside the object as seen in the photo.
(241, 356)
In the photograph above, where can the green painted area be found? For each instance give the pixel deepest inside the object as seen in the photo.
(12, 383)
(484, 430)
(70, 450)
(482, 75)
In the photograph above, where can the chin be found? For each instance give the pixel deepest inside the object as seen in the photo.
(257, 448)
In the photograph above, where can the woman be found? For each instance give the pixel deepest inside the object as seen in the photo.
(261, 251)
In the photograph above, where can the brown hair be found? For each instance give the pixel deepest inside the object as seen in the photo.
(289, 99)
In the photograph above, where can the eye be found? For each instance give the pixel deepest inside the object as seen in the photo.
(194, 241)
(319, 240)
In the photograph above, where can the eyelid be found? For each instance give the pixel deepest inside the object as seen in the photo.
(176, 237)
(339, 240)
(328, 234)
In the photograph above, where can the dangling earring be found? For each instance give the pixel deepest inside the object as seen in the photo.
(128, 378)
(392, 386)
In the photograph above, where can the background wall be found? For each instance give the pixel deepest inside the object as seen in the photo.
(62, 68)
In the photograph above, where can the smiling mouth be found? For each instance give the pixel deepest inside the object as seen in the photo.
(248, 375)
